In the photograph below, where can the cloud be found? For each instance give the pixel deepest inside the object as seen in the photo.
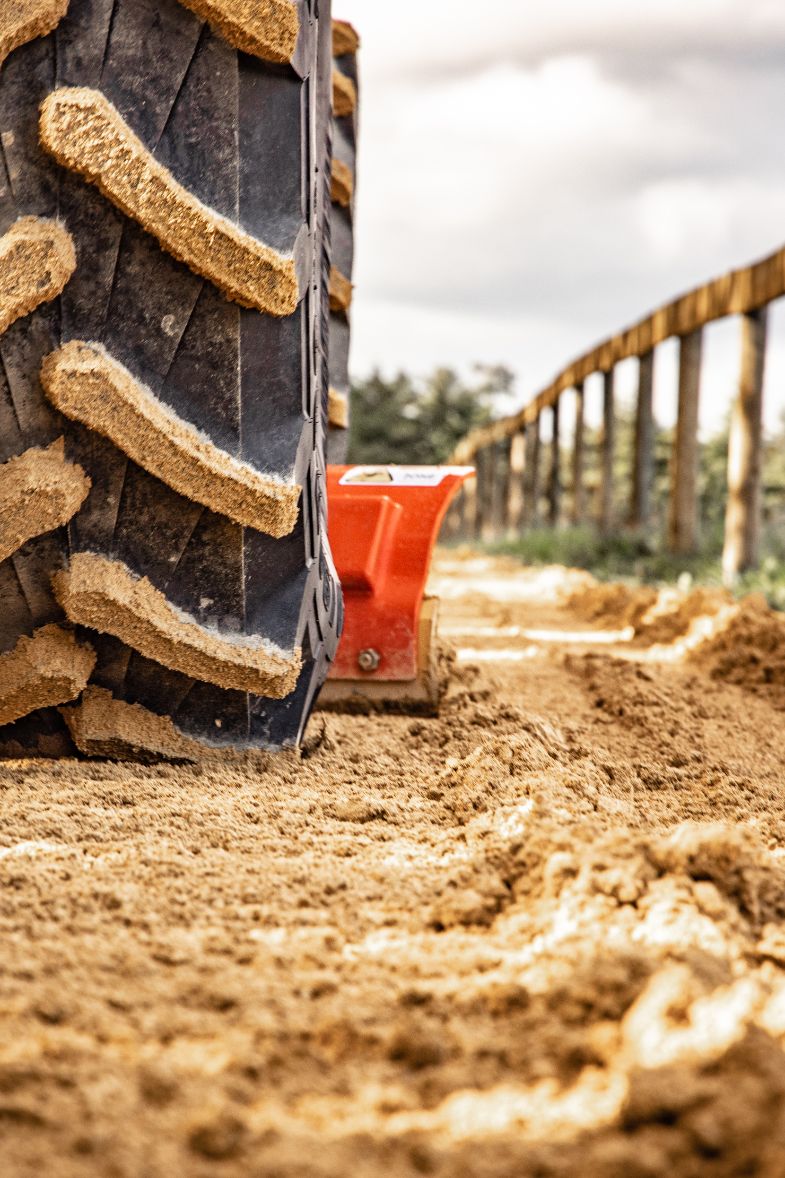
(540, 177)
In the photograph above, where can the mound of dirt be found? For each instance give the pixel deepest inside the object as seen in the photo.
(749, 650)
(655, 616)
(612, 607)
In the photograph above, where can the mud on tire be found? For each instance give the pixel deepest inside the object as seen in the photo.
(163, 290)
(343, 190)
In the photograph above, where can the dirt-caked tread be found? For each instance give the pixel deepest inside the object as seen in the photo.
(87, 135)
(268, 29)
(192, 179)
(104, 595)
(39, 491)
(48, 668)
(344, 94)
(338, 410)
(346, 40)
(345, 44)
(37, 259)
(102, 726)
(340, 291)
(88, 385)
(24, 20)
(342, 189)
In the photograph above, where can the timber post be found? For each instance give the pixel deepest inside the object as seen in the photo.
(514, 517)
(554, 477)
(531, 474)
(501, 488)
(643, 468)
(488, 491)
(745, 452)
(608, 451)
(578, 457)
(683, 508)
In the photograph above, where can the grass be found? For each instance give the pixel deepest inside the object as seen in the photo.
(627, 556)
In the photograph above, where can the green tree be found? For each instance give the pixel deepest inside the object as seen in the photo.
(406, 421)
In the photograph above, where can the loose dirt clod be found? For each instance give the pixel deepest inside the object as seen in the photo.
(37, 258)
(88, 385)
(87, 135)
(47, 669)
(24, 20)
(264, 28)
(338, 409)
(344, 94)
(105, 595)
(102, 726)
(345, 38)
(39, 491)
(342, 184)
(340, 291)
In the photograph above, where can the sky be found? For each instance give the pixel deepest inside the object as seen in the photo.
(532, 178)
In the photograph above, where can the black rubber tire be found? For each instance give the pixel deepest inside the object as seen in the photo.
(345, 129)
(251, 140)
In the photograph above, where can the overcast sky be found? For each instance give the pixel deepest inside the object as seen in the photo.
(532, 177)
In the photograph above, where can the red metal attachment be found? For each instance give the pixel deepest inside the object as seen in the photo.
(384, 522)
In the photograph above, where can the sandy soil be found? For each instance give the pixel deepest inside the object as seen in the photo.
(543, 934)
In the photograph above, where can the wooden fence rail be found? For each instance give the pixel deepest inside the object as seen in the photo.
(510, 454)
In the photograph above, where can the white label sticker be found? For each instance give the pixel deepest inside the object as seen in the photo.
(402, 476)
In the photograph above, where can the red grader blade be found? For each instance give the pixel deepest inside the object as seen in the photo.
(384, 522)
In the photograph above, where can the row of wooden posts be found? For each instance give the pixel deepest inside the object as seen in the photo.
(518, 486)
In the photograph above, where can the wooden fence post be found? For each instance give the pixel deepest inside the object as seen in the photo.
(643, 469)
(745, 452)
(608, 451)
(683, 515)
(488, 491)
(578, 457)
(554, 479)
(514, 519)
(500, 490)
(531, 474)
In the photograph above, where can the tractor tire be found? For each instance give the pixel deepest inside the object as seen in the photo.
(166, 579)
(343, 191)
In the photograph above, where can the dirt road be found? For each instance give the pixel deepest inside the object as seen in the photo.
(541, 935)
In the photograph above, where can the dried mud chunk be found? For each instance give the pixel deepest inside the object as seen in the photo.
(344, 95)
(345, 38)
(47, 669)
(105, 595)
(24, 20)
(37, 258)
(88, 385)
(342, 184)
(102, 726)
(340, 291)
(39, 491)
(87, 135)
(338, 410)
(267, 29)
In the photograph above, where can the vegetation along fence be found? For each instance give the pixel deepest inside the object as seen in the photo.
(520, 481)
